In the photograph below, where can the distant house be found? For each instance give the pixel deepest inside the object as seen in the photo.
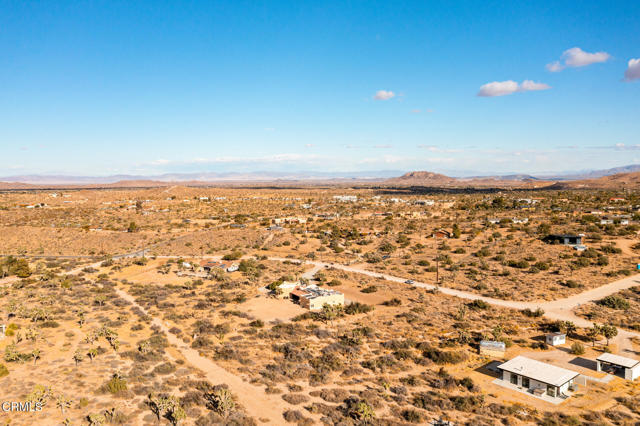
(520, 220)
(441, 233)
(492, 348)
(566, 239)
(209, 265)
(314, 298)
(275, 228)
(493, 220)
(538, 377)
(555, 339)
(606, 221)
(628, 367)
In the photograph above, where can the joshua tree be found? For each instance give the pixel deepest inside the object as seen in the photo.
(78, 356)
(62, 402)
(96, 419)
(221, 401)
(496, 332)
(609, 332)
(144, 347)
(35, 354)
(32, 334)
(92, 353)
(593, 333)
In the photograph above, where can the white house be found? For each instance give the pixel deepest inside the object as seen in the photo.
(630, 366)
(538, 377)
(555, 339)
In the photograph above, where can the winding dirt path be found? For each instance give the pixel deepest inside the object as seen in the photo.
(258, 404)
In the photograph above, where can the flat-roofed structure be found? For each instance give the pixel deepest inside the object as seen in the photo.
(627, 367)
(555, 339)
(314, 298)
(537, 376)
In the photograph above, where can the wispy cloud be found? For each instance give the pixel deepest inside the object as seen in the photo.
(620, 147)
(633, 70)
(383, 146)
(434, 148)
(502, 88)
(576, 57)
(383, 95)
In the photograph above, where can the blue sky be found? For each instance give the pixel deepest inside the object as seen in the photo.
(148, 87)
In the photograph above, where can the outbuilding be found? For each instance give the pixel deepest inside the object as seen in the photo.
(627, 367)
(555, 339)
(538, 377)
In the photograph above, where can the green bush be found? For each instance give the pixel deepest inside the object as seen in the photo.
(577, 348)
(3, 370)
(614, 302)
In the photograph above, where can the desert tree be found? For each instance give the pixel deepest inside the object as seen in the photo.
(78, 356)
(35, 355)
(62, 402)
(609, 332)
(92, 353)
(593, 333)
(221, 401)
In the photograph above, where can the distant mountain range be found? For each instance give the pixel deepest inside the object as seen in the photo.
(628, 176)
(259, 176)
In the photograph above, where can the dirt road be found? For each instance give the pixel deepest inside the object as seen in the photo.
(258, 404)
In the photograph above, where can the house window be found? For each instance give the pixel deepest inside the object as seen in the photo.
(525, 382)
(551, 390)
(514, 379)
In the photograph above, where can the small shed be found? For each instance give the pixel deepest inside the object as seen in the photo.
(628, 367)
(555, 339)
(492, 348)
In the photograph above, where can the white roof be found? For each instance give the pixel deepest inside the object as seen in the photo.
(618, 360)
(540, 371)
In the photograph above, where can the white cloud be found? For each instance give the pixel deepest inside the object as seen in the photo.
(576, 57)
(383, 95)
(501, 88)
(528, 86)
(383, 146)
(633, 71)
(309, 145)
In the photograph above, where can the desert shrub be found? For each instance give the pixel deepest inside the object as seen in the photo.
(533, 314)
(478, 304)
(444, 357)
(577, 348)
(519, 264)
(357, 308)
(392, 302)
(370, 289)
(614, 302)
(257, 323)
(412, 416)
(295, 398)
(3, 370)
(571, 284)
(116, 385)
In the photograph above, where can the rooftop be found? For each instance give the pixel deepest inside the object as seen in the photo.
(540, 371)
(618, 360)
